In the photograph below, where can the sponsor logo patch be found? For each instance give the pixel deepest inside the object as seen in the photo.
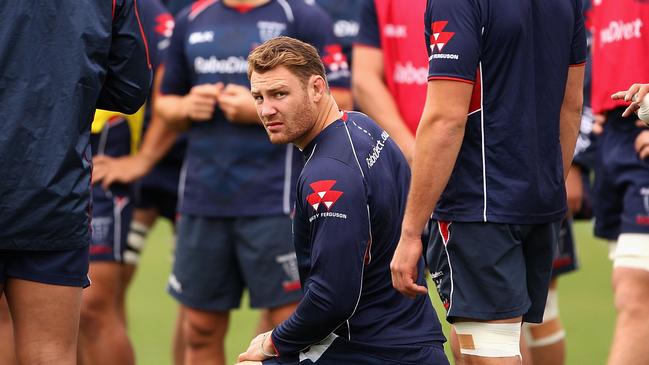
(439, 39)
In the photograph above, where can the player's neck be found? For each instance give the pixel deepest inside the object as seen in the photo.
(250, 3)
(328, 114)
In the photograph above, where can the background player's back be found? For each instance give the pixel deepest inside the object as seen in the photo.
(59, 59)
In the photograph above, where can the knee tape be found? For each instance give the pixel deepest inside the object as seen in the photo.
(489, 339)
(135, 242)
(550, 331)
(632, 251)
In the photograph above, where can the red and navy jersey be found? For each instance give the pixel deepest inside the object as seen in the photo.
(233, 169)
(87, 55)
(345, 17)
(396, 30)
(351, 198)
(620, 40)
(517, 55)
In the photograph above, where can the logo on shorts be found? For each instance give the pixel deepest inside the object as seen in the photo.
(175, 284)
(322, 194)
(289, 264)
(439, 39)
(644, 219)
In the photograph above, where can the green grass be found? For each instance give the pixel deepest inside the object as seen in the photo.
(586, 305)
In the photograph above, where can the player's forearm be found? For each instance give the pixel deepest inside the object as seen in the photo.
(172, 112)
(157, 141)
(437, 146)
(375, 100)
(570, 117)
(315, 318)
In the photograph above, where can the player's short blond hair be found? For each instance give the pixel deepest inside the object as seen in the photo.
(300, 58)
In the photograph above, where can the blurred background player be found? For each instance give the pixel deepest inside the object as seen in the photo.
(236, 188)
(103, 334)
(45, 207)
(621, 176)
(489, 190)
(390, 68)
(349, 196)
(546, 341)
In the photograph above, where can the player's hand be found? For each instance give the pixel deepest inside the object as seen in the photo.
(642, 145)
(238, 105)
(253, 353)
(598, 123)
(199, 104)
(634, 95)
(404, 267)
(574, 189)
(109, 170)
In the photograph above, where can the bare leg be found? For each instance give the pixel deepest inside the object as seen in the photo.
(103, 337)
(7, 352)
(46, 321)
(204, 334)
(146, 217)
(179, 338)
(631, 291)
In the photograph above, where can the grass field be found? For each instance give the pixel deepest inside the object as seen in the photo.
(585, 300)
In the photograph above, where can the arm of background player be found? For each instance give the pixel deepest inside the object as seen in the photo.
(374, 98)
(333, 289)
(157, 141)
(437, 145)
(128, 77)
(570, 118)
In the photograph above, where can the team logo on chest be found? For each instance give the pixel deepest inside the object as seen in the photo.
(269, 30)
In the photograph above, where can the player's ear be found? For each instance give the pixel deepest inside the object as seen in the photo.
(319, 87)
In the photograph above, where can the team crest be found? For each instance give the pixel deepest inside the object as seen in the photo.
(269, 30)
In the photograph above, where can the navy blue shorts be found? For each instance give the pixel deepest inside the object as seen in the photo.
(565, 255)
(216, 258)
(111, 221)
(163, 201)
(621, 191)
(66, 267)
(342, 352)
(489, 271)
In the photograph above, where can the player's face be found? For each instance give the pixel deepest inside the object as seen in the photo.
(284, 105)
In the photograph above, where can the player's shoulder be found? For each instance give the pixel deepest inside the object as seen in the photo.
(196, 10)
(306, 9)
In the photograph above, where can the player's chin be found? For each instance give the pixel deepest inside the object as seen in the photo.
(278, 138)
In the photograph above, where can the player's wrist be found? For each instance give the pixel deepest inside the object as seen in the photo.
(267, 347)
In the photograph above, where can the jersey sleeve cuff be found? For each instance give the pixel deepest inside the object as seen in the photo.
(579, 64)
(451, 78)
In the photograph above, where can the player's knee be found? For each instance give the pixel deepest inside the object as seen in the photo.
(550, 331)
(631, 288)
(135, 242)
(96, 311)
(200, 334)
(489, 339)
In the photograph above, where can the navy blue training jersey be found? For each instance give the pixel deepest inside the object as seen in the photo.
(517, 55)
(351, 198)
(59, 61)
(233, 169)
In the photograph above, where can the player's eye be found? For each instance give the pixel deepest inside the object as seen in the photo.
(280, 94)
(258, 99)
